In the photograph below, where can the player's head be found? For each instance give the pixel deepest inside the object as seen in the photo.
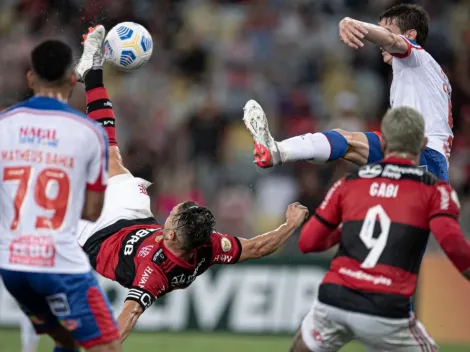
(412, 21)
(189, 226)
(51, 70)
(403, 132)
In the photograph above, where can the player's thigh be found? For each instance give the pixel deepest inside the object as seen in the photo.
(126, 198)
(435, 163)
(31, 302)
(382, 334)
(82, 308)
(321, 331)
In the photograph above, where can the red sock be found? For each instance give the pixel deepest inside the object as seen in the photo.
(98, 105)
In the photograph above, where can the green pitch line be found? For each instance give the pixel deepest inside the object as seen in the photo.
(194, 342)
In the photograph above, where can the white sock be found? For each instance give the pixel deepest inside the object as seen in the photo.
(29, 338)
(312, 147)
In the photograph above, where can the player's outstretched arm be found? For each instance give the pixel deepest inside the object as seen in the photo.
(353, 33)
(128, 318)
(263, 245)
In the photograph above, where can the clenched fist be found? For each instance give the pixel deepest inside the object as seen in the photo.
(296, 214)
(351, 33)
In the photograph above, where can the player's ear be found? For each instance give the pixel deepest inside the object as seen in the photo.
(30, 78)
(383, 144)
(425, 143)
(411, 34)
(73, 79)
(171, 235)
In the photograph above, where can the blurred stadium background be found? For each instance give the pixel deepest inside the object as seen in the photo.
(179, 125)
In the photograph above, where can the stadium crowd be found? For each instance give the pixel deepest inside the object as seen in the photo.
(210, 57)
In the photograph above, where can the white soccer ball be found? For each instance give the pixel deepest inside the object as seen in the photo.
(128, 46)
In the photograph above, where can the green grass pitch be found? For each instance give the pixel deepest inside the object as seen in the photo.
(194, 342)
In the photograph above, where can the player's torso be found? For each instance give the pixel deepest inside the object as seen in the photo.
(426, 89)
(384, 235)
(138, 246)
(43, 177)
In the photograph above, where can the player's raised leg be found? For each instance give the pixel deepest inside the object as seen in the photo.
(99, 106)
(358, 147)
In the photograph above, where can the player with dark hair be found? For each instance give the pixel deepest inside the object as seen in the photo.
(387, 211)
(418, 82)
(128, 245)
(48, 183)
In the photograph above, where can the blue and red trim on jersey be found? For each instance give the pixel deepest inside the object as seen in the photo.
(411, 45)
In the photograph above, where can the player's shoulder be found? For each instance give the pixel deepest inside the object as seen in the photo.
(395, 172)
(54, 107)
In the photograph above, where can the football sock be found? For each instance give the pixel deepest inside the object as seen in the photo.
(317, 148)
(98, 105)
(63, 349)
(29, 338)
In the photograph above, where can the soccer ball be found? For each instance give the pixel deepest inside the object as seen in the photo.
(128, 46)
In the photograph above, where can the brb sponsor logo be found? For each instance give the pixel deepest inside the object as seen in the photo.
(33, 251)
(135, 238)
(39, 136)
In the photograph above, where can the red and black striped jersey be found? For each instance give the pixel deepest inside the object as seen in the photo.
(133, 253)
(387, 211)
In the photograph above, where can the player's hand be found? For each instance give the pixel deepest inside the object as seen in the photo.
(296, 214)
(351, 33)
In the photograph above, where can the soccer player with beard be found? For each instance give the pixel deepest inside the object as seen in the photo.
(418, 82)
(128, 245)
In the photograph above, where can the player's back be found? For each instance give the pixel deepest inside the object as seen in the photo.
(45, 163)
(385, 209)
(419, 82)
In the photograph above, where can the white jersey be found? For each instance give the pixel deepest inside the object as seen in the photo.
(49, 155)
(420, 83)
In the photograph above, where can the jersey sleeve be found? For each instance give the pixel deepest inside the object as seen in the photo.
(414, 57)
(97, 173)
(225, 249)
(444, 202)
(149, 284)
(329, 212)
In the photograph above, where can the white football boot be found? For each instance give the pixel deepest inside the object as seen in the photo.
(266, 153)
(93, 56)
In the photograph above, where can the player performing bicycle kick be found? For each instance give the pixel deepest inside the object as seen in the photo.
(128, 245)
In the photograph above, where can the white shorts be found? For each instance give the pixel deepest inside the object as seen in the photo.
(125, 198)
(326, 329)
